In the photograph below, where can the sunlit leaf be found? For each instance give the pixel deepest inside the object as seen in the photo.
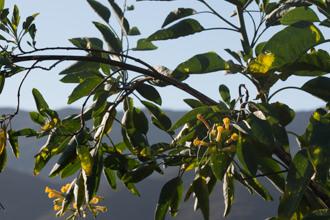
(3, 138)
(68, 198)
(224, 93)
(111, 40)
(299, 14)
(100, 9)
(106, 124)
(13, 142)
(111, 177)
(180, 29)
(85, 158)
(40, 101)
(178, 14)
(2, 82)
(144, 44)
(228, 192)
(83, 89)
(3, 159)
(318, 87)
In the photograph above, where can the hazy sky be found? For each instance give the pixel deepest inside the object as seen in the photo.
(61, 20)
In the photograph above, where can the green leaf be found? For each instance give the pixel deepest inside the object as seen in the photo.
(159, 118)
(318, 87)
(178, 14)
(134, 31)
(176, 200)
(320, 214)
(220, 162)
(180, 29)
(270, 166)
(85, 158)
(139, 173)
(79, 77)
(285, 47)
(299, 14)
(202, 196)
(100, 9)
(68, 198)
(106, 124)
(80, 66)
(111, 40)
(224, 93)
(26, 132)
(318, 141)
(299, 175)
(2, 4)
(120, 16)
(145, 44)
(79, 192)
(286, 114)
(40, 101)
(150, 93)
(189, 116)
(246, 155)
(258, 188)
(100, 105)
(92, 181)
(167, 194)
(15, 18)
(2, 82)
(71, 169)
(201, 63)
(37, 118)
(3, 159)
(13, 142)
(111, 177)
(228, 192)
(83, 89)
(69, 154)
(27, 23)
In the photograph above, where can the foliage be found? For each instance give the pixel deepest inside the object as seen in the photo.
(232, 141)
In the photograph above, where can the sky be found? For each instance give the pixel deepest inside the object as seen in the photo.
(61, 20)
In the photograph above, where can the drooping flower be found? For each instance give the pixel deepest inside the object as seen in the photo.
(200, 117)
(198, 142)
(234, 137)
(226, 122)
(220, 130)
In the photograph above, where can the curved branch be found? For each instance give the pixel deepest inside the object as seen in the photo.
(153, 73)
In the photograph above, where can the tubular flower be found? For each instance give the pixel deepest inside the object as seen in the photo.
(226, 122)
(57, 207)
(200, 117)
(53, 193)
(65, 188)
(220, 130)
(102, 208)
(198, 142)
(95, 200)
(231, 148)
(234, 137)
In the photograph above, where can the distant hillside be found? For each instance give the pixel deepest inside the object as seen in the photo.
(23, 195)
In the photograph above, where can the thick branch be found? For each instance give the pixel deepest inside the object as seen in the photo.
(183, 86)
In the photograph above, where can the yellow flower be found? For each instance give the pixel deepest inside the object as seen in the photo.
(220, 130)
(102, 208)
(95, 200)
(198, 142)
(65, 188)
(231, 148)
(75, 205)
(200, 117)
(50, 125)
(53, 193)
(226, 122)
(56, 207)
(234, 137)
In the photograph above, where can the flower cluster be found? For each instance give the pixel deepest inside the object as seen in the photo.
(60, 196)
(222, 133)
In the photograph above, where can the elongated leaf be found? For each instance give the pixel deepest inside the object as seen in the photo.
(150, 93)
(258, 188)
(68, 198)
(318, 87)
(299, 14)
(85, 158)
(178, 14)
(228, 192)
(299, 175)
(201, 63)
(111, 40)
(2, 82)
(3, 160)
(321, 214)
(285, 47)
(83, 89)
(176, 200)
(80, 66)
(13, 142)
(318, 140)
(144, 44)
(2, 4)
(159, 118)
(189, 116)
(120, 16)
(220, 162)
(166, 196)
(40, 101)
(202, 196)
(71, 169)
(79, 77)
(224, 93)
(246, 155)
(139, 173)
(100, 9)
(270, 166)
(37, 118)
(106, 124)
(111, 177)
(79, 192)
(180, 29)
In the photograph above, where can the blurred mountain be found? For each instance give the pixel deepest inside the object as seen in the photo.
(23, 196)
